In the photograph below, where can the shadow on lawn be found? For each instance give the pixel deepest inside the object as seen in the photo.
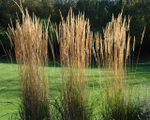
(141, 74)
(51, 63)
(9, 88)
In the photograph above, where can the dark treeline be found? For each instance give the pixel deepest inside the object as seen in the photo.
(98, 11)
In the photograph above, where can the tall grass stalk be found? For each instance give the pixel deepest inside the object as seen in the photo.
(29, 38)
(75, 40)
(112, 52)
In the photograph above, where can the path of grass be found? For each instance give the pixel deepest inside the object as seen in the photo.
(9, 84)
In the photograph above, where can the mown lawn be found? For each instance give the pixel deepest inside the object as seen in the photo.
(9, 84)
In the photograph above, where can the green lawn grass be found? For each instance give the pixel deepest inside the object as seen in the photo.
(9, 84)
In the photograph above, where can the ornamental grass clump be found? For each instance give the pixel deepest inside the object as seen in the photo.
(112, 52)
(75, 41)
(29, 39)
